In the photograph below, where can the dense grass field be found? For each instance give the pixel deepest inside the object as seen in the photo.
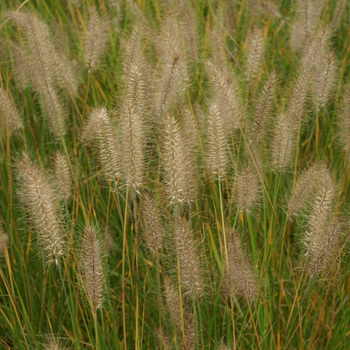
(174, 174)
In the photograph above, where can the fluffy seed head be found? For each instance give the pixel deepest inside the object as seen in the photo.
(190, 332)
(9, 117)
(63, 176)
(222, 346)
(43, 69)
(176, 164)
(38, 195)
(255, 54)
(263, 110)
(283, 143)
(190, 267)
(163, 339)
(338, 14)
(298, 98)
(247, 188)
(100, 128)
(317, 49)
(323, 202)
(4, 241)
(188, 26)
(173, 80)
(21, 65)
(240, 276)
(304, 27)
(190, 129)
(324, 78)
(304, 188)
(41, 56)
(54, 344)
(152, 225)
(322, 247)
(91, 267)
(67, 76)
(172, 302)
(132, 129)
(264, 7)
(96, 38)
(217, 153)
(344, 121)
(225, 88)
(324, 232)
(54, 111)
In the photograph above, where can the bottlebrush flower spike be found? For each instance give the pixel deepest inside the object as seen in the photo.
(177, 164)
(38, 195)
(304, 188)
(173, 80)
(247, 190)
(240, 276)
(63, 176)
(225, 88)
(263, 109)
(152, 225)
(42, 68)
(4, 241)
(217, 152)
(100, 129)
(10, 119)
(324, 78)
(91, 267)
(190, 267)
(344, 122)
(325, 231)
(96, 38)
(133, 129)
(255, 54)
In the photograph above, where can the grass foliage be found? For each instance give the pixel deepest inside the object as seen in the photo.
(174, 174)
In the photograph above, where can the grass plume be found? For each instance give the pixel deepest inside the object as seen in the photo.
(10, 120)
(91, 267)
(95, 39)
(192, 279)
(240, 278)
(37, 194)
(176, 164)
(63, 176)
(152, 225)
